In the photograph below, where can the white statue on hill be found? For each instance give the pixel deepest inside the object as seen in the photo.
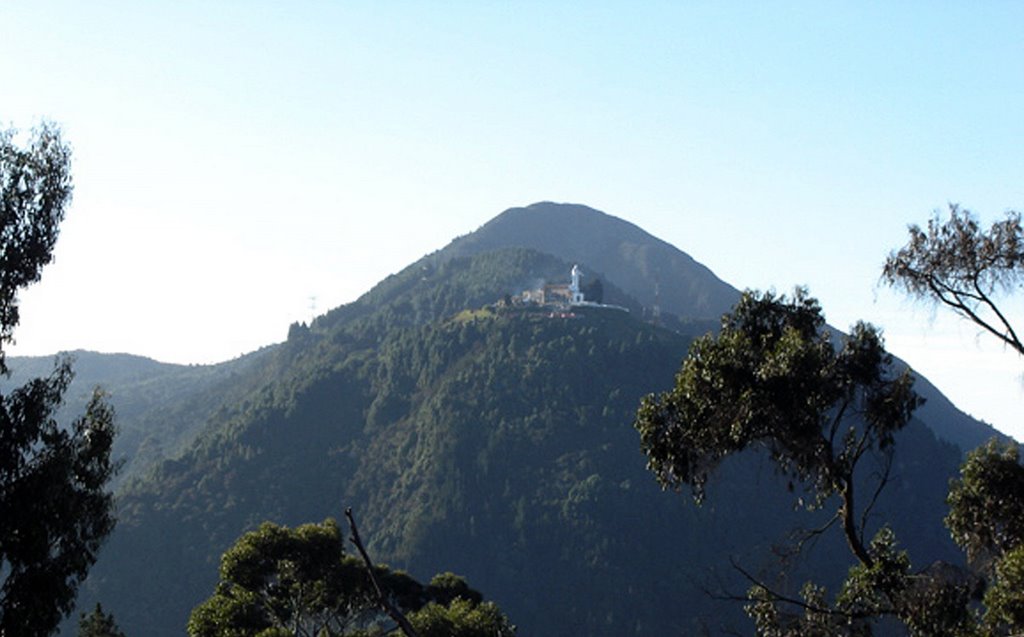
(574, 287)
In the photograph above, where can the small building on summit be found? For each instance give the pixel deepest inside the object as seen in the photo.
(555, 293)
(564, 294)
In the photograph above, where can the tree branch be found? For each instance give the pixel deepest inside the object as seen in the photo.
(957, 304)
(883, 481)
(853, 538)
(779, 597)
(382, 599)
(1010, 337)
(835, 425)
(814, 534)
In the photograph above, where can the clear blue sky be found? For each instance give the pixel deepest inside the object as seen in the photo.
(233, 159)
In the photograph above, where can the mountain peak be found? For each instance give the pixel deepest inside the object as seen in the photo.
(565, 216)
(647, 268)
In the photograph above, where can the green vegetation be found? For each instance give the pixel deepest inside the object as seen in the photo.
(160, 406)
(300, 582)
(98, 624)
(415, 429)
(461, 618)
(607, 248)
(986, 518)
(489, 439)
(35, 187)
(494, 443)
(964, 268)
(55, 511)
(772, 380)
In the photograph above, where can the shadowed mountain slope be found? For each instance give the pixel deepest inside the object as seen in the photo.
(159, 406)
(617, 250)
(498, 444)
(494, 440)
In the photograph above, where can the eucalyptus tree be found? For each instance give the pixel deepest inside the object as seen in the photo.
(55, 509)
(773, 380)
(973, 271)
(300, 581)
(958, 264)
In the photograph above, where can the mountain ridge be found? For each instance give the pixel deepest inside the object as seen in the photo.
(620, 251)
(476, 437)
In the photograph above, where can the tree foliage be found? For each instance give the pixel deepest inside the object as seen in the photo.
(278, 577)
(960, 265)
(54, 508)
(986, 503)
(1004, 599)
(487, 441)
(395, 430)
(98, 624)
(277, 580)
(986, 518)
(461, 618)
(35, 188)
(772, 379)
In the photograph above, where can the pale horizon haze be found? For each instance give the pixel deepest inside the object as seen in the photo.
(234, 160)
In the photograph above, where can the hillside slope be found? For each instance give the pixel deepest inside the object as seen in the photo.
(649, 269)
(159, 406)
(492, 441)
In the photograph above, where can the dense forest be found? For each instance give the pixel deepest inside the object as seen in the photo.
(478, 433)
(486, 438)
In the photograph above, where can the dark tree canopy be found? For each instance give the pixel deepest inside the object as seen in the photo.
(986, 518)
(35, 188)
(960, 265)
(461, 618)
(98, 624)
(277, 580)
(594, 291)
(772, 379)
(986, 503)
(54, 508)
(297, 579)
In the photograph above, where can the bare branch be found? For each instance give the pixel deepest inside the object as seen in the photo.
(956, 303)
(382, 599)
(883, 481)
(961, 266)
(786, 599)
(812, 535)
(835, 424)
(1010, 336)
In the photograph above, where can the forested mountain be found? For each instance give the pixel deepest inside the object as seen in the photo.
(159, 405)
(654, 272)
(488, 438)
